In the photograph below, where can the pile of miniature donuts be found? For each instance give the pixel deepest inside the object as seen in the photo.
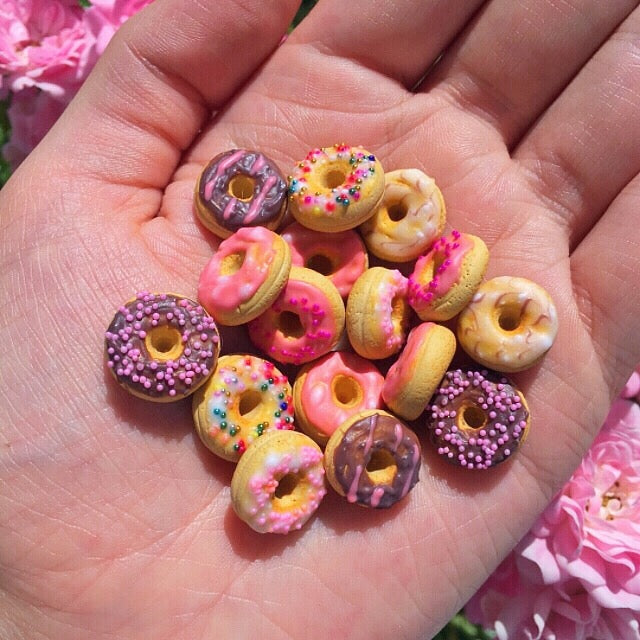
(314, 306)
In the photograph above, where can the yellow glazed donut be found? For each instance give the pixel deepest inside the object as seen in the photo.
(413, 379)
(332, 389)
(409, 219)
(305, 322)
(279, 482)
(245, 397)
(245, 275)
(444, 280)
(335, 188)
(509, 325)
(378, 313)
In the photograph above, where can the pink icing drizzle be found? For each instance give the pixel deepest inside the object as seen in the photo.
(223, 165)
(218, 292)
(319, 404)
(256, 203)
(352, 495)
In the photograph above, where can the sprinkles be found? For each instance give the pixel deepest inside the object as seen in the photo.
(161, 346)
(313, 193)
(246, 397)
(478, 418)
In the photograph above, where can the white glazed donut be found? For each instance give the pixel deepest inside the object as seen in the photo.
(509, 325)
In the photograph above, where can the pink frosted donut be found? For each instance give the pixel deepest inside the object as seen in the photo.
(444, 280)
(245, 275)
(304, 322)
(332, 389)
(339, 256)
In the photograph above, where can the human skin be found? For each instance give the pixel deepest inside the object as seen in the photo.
(115, 522)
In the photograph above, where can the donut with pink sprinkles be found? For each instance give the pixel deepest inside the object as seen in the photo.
(478, 418)
(161, 347)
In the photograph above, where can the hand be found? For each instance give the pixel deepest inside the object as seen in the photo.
(116, 522)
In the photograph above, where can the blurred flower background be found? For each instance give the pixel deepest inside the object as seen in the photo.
(576, 574)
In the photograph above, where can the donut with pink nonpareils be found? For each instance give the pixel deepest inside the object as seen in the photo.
(161, 346)
(478, 418)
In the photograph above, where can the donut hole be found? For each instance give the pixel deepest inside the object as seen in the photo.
(438, 260)
(250, 400)
(320, 263)
(290, 325)
(232, 263)
(334, 177)
(510, 317)
(289, 492)
(398, 311)
(473, 417)
(346, 391)
(397, 211)
(242, 187)
(164, 343)
(382, 467)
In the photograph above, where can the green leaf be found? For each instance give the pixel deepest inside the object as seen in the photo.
(305, 7)
(5, 133)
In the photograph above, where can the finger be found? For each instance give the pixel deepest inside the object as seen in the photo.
(586, 148)
(397, 39)
(606, 268)
(165, 71)
(517, 56)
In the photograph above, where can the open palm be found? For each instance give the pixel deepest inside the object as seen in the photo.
(115, 520)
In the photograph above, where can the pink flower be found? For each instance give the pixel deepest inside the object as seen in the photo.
(632, 388)
(104, 18)
(47, 48)
(44, 44)
(576, 574)
(32, 113)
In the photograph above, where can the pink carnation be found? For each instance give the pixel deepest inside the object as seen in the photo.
(576, 574)
(44, 44)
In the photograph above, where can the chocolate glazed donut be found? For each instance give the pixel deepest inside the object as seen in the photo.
(240, 188)
(161, 346)
(478, 418)
(373, 459)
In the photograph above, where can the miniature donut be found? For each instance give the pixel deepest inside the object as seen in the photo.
(240, 188)
(478, 418)
(445, 279)
(335, 188)
(279, 482)
(161, 346)
(509, 325)
(409, 219)
(378, 313)
(339, 256)
(332, 389)
(245, 275)
(304, 322)
(245, 397)
(373, 459)
(414, 377)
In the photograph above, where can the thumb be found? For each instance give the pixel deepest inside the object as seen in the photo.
(164, 73)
